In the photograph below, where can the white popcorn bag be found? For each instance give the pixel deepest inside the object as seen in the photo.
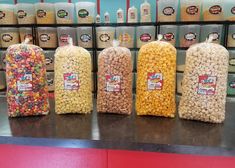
(205, 83)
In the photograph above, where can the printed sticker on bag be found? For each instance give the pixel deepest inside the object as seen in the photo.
(207, 85)
(113, 83)
(24, 82)
(71, 81)
(155, 81)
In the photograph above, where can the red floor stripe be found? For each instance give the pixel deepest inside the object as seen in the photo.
(118, 159)
(12, 156)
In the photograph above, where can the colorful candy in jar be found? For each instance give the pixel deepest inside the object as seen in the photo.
(27, 92)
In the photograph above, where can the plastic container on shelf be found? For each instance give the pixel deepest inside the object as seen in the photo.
(215, 30)
(167, 10)
(133, 59)
(213, 10)
(114, 93)
(106, 17)
(145, 34)
(26, 32)
(47, 37)
(181, 57)
(45, 13)
(190, 10)
(169, 33)
(73, 80)
(7, 14)
(188, 35)
(231, 67)
(120, 16)
(27, 92)
(105, 36)
(64, 12)
(84, 36)
(2, 80)
(204, 83)
(231, 36)
(85, 12)
(3, 59)
(92, 60)
(97, 19)
(229, 10)
(132, 15)
(126, 36)
(64, 33)
(179, 78)
(49, 59)
(156, 84)
(25, 13)
(145, 12)
(50, 81)
(231, 85)
(9, 36)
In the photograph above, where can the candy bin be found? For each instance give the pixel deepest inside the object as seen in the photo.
(167, 10)
(45, 13)
(214, 30)
(25, 13)
(73, 82)
(7, 14)
(189, 35)
(145, 34)
(85, 12)
(156, 85)
(229, 10)
(204, 85)
(47, 37)
(64, 33)
(190, 10)
(114, 93)
(213, 10)
(64, 12)
(26, 32)
(169, 33)
(9, 36)
(231, 67)
(231, 36)
(27, 92)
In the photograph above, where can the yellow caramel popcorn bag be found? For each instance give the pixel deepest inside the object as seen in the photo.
(156, 73)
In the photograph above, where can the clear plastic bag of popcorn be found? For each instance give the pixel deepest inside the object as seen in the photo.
(115, 80)
(156, 85)
(27, 91)
(205, 83)
(72, 80)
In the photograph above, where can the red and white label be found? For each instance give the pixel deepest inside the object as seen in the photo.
(206, 85)
(71, 81)
(155, 81)
(113, 83)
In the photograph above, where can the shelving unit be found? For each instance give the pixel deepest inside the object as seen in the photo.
(95, 49)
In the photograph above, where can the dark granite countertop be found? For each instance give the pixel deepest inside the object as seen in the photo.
(121, 131)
